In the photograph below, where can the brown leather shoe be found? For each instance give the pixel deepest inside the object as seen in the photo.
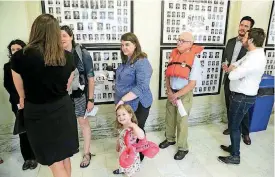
(226, 132)
(246, 139)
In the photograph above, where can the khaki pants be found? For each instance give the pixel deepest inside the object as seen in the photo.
(175, 122)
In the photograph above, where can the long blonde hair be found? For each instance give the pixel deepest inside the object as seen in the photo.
(45, 36)
(130, 111)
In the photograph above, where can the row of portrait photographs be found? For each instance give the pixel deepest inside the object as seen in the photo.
(210, 63)
(196, 7)
(104, 96)
(103, 66)
(181, 16)
(94, 15)
(90, 4)
(209, 89)
(204, 38)
(104, 56)
(270, 54)
(97, 37)
(271, 29)
(215, 2)
(213, 69)
(99, 27)
(209, 82)
(209, 54)
(270, 63)
(85, 15)
(271, 72)
(108, 87)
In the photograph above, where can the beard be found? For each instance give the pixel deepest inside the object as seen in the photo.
(242, 33)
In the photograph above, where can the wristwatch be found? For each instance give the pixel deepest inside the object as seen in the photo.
(91, 100)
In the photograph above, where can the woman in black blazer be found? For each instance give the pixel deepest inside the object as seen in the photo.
(26, 150)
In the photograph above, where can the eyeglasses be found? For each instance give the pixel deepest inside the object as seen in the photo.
(181, 41)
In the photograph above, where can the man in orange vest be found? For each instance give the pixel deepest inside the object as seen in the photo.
(182, 73)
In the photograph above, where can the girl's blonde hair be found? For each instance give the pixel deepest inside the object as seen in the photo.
(130, 111)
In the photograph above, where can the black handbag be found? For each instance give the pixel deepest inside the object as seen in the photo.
(19, 126)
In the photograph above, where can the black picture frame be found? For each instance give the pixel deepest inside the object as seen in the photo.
(162, 43)
(270, 65)
(218, 73)
(271, 23)
(88, 42)
(99, 89)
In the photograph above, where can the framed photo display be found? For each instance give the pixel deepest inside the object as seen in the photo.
(104, 89)
(270, 63)
(206, 19)
(210, 59)
(94, 22)
(270, 40)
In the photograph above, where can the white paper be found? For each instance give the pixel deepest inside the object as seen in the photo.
(91, 113)
(181, 108)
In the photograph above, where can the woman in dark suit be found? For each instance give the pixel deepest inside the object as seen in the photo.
(26, 150)
(42, 73)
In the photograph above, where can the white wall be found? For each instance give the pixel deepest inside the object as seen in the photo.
(13, 25)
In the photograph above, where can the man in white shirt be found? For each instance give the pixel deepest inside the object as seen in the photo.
(245, 76)
(234, 51)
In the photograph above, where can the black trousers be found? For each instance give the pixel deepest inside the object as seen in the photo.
(245, 124)
(142, 114)
(25, 146)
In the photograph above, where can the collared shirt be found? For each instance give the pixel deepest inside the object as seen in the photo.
(177, 83)
(237, 49)
(134, 78)
(247, 76)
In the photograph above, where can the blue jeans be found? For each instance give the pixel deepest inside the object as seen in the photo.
(239, 106)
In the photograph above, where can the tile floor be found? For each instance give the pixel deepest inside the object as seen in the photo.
(257, 160)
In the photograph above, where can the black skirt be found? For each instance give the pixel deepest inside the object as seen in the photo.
(52, 130)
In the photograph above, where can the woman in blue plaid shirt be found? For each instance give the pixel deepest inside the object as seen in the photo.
(133, 79)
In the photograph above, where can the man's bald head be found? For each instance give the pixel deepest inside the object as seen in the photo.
(185, 41)
(186, 36)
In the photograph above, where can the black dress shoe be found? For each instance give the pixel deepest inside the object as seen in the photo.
(180, 155)
(33, 164)
(165, 144)
(226, 148)
(226, 132)
(26, 165)
(246, 139)
(230, 160)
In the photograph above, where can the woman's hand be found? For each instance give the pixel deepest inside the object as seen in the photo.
(21, 103)
(90, 106)
(117, 147)
(119, 103)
